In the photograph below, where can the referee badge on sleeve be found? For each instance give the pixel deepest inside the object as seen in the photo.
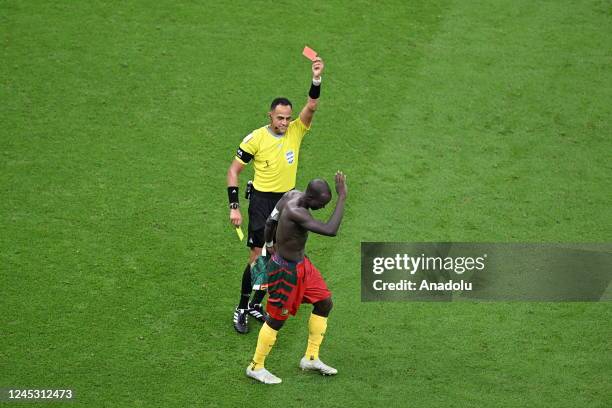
(289, 156)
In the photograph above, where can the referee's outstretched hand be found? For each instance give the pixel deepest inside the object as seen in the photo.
(235, 217)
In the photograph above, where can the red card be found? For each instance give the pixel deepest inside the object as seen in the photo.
(309, 53)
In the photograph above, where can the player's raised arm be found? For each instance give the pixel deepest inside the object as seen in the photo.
(313, 94)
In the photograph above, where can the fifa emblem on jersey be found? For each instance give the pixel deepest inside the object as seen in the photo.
(289, 156)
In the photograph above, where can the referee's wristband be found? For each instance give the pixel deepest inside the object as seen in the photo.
(315, 89)
(232, 194)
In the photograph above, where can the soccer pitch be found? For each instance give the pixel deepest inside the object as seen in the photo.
(455, 121)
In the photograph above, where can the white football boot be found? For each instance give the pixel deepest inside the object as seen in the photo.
(263, 376)
(317, 365)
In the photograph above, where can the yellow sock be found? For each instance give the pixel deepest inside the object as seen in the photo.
(265, 341)
(316, 329)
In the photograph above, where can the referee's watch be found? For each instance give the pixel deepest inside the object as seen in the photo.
(234, 206)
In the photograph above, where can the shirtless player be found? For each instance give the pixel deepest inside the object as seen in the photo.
(292, 278)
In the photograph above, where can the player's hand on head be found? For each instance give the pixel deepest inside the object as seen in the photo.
(235, 217)
(317, 67)
(340, 183)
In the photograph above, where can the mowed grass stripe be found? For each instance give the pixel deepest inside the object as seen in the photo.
(451, 147)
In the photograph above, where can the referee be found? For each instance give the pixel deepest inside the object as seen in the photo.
(274, 150)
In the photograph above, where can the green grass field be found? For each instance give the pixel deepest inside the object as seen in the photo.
(454, 120)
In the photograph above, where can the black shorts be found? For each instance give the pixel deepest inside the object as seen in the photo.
(261, 205)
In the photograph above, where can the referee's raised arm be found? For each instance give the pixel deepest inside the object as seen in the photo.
(313, 94)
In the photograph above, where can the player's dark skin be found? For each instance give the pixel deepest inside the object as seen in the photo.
(295, 221)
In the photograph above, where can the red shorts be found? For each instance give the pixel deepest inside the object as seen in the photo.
(291, 284)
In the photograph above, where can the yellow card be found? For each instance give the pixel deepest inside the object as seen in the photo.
(240, 233)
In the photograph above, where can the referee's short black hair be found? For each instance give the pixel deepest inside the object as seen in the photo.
(280, 101)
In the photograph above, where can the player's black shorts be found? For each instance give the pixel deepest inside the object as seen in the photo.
(261, 205)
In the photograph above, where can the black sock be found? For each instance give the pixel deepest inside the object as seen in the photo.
(245, 292)
(258, 297)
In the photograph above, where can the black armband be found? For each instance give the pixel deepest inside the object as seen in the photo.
(244, 156)
(315, 91)
(232, 194)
